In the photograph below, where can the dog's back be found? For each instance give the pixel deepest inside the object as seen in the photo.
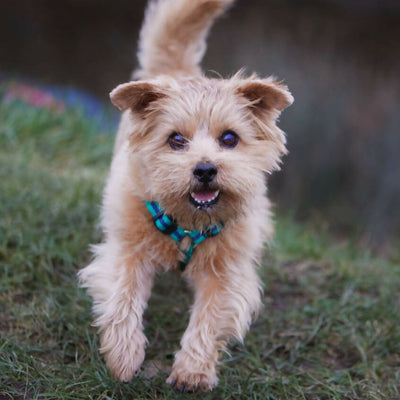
(173, 36)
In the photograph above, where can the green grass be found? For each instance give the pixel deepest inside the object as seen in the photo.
(329, 329)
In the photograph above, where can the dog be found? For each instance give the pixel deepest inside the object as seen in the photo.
(187, 188)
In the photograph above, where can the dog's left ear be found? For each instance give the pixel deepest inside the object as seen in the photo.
(265, 100)
(266, 96)
(137, 96)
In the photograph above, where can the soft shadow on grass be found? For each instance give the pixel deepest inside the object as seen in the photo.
(329, 328)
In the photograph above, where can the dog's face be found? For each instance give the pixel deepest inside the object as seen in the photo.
(201, 147)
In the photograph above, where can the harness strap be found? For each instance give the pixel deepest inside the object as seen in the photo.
(167, 225)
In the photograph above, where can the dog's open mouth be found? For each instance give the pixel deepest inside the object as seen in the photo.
(204, 198)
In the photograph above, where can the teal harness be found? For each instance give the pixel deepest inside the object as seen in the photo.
(167, 225)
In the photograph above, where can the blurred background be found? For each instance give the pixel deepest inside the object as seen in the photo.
(340, 58)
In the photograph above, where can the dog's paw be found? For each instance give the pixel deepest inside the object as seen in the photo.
(123, 367)
(124, 360)
(185, 381)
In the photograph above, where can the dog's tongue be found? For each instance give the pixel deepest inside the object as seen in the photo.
(206, 195)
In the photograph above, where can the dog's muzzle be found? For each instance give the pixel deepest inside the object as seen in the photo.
(205, 194)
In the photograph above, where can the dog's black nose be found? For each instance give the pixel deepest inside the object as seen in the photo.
(205, 172)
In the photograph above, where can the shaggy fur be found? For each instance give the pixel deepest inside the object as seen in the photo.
(173, 96)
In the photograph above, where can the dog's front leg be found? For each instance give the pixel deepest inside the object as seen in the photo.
(223, 308)
(121, 328)
(120, 285)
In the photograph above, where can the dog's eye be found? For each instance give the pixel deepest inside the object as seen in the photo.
(229, 139)
(177, 141)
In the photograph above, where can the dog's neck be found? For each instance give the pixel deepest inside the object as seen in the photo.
(165, 224)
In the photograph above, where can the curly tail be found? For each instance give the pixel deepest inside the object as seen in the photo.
(173, 36)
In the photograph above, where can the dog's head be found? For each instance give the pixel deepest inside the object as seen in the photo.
(201, 147)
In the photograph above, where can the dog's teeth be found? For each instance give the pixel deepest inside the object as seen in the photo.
(215, 195)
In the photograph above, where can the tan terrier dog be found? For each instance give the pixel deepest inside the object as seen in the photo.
(187, 187)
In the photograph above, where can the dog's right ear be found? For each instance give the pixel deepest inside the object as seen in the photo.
(137, 96)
